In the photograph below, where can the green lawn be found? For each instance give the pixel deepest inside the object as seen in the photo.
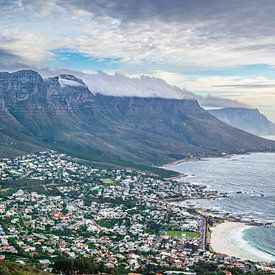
(108, 223)
(107, 181)
(178, 234)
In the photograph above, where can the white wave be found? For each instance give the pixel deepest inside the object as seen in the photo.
(236, 238)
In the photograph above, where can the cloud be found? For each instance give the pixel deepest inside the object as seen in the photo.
(142, 86)
(9, 5)
(25, 45)
(229, 90)
(26, 8)
(168, 10)
(10, 61)
(181, 33)
(6, 56)
(213, 19)
(246, 86)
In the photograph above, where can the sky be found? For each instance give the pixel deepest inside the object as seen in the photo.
(218, 47)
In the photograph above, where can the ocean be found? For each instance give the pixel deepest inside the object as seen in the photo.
(250, 182)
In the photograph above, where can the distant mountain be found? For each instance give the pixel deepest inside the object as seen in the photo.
(250, 120)
(62, 113)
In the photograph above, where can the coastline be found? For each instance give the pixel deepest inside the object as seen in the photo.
(173, 163)
(232, 236)
(227, 155)
(227, 238)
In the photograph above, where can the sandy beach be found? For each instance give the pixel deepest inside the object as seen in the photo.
(227, 238)
(173, 163)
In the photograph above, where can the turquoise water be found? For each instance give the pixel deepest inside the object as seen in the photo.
(261, 238)
(250, 182)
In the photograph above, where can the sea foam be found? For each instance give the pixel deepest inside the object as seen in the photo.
(237, 238)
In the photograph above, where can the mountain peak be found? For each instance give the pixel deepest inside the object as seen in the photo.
(66, 80)
(26, 76)
(247, 119)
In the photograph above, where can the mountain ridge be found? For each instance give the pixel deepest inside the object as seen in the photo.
(247, 119)
(147, 131)
(143, 86)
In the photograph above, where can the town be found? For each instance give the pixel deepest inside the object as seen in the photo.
(54, 207)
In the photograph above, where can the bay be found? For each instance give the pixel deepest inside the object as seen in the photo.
(250, 182)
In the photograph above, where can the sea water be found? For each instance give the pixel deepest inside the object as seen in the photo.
(250, 183)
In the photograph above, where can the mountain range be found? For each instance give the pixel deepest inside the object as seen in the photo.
(64, 114)
(249, 120)
(144, 86)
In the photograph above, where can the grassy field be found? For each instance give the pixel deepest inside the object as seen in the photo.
(107, 181)
(179, 234)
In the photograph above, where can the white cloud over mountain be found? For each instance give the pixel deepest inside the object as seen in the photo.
(162, 38)
(143, 86)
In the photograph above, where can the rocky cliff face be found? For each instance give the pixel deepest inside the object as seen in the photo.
(21, 86)
(62, 113)
(67, 92)
(19, 93)
(250, 120)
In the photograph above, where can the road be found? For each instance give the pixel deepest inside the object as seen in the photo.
(203, 232)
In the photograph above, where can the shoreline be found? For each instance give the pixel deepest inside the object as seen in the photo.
(227, 155)
(210, 197)
(173, 163)
(227, 238)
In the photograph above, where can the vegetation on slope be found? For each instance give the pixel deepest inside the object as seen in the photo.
(11, 268)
